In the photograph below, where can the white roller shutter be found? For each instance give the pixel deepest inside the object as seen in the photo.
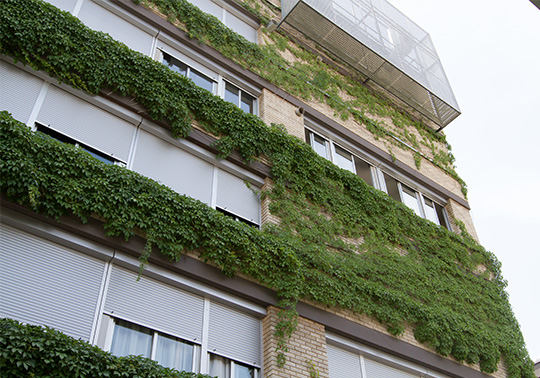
(18, 91)
(67, 5)
(234, 334)
(48, 284)
(99, 18)
(208, 6)
(376, 369)
(241, 27)
(174, 167)
(154, 304)
(342, 363)
(86, 123)
(234, 196)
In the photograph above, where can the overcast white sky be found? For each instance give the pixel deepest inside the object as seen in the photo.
(490, 50)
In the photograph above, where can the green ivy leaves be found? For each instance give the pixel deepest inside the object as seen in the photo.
(33, 351)
(340, 242)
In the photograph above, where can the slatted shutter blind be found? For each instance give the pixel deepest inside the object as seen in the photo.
(86, 123)
(234, 196)
(342, 363)
(154, 304)
(174, 167)
(18, 91)
(67, 5)
(234, 334)
(241, 28)
(99, 18)
(376, 369)
(208, 6)
(48, 284)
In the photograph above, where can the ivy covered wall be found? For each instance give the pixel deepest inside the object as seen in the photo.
(340, 242)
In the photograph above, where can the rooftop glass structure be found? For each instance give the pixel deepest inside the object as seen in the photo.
(383, 44)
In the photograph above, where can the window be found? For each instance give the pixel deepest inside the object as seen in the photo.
(168, 351)
(240, 98)
(347, 358)
(216, 85)
(410, 198)
(421, 205)
(339, 156)
(237, 218)
(178, 328)
(200, 79)
(102, 156)
(418, 202)
(222, 367)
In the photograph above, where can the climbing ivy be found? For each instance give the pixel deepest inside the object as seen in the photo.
(33, 351)
(311, 78)
(340, 242)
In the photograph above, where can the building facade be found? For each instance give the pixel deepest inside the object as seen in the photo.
(206, 301)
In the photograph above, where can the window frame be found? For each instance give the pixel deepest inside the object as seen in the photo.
(241, 92)
(109, 323)
(379, 177)
(166, 56)
(231, 366)
(330, 148)
(219, 77)
(96, 153)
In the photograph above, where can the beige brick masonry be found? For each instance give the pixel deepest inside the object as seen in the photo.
(274, 109)
(306, 357)
(458, 212)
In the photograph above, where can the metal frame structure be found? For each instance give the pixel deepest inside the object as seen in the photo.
(382, 44)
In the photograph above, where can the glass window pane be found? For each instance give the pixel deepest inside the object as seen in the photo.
(174, 64)
(131, 339)
(429, 209)
(409, 199)
(219, 366)
(243, 371)
(320, 145)
(201, 80)
(174, 353)
(363, 170)
(343, 159)
(441, 217)
(98, 155)
(247, 103)
(231, 94)
(392, 187)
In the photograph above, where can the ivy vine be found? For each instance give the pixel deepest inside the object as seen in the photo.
(340, 242)
(34, 351)
(310, 78)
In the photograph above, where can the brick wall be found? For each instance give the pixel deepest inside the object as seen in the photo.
(458, 212)
(274, 109)
(306, 354)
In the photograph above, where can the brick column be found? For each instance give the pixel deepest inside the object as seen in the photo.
(274, 109)
(306, 357)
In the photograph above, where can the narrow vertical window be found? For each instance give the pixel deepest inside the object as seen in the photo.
(430, 211)
(392, 187)
(410, 199)
(363, 169)
(320, 145)
(343, 158)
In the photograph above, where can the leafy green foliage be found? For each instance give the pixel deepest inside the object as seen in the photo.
(33, 351)
(340, 242)
(310, 78)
